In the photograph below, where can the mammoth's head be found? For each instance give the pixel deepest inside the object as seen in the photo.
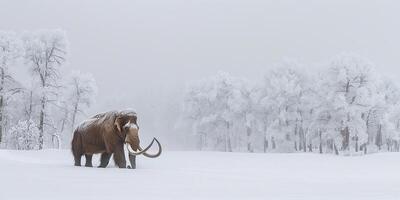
(132, 135)
(126, 124)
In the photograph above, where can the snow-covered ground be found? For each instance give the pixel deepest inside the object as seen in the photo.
(49, 174)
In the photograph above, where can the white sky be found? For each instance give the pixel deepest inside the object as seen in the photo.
(143, 52)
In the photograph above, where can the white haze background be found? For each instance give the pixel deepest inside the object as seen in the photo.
(143, 53)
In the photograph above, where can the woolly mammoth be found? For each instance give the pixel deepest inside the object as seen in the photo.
(108, 133)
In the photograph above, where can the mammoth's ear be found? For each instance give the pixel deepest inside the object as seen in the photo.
(117, 123)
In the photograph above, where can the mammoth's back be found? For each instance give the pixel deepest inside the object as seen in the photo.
(98, 124)
(104, 122)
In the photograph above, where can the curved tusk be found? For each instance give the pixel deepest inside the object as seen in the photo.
(152, 155)
(135, 153)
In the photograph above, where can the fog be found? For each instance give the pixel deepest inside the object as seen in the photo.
(143, 53)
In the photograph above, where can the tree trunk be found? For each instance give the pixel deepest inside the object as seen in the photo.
(74, 112)
(273, 143)
(367, 122)
(41, 122)
(201, 142)
(265, 144)
(304, 139)
(378, 140)
(29, 110)
(356, 147)
(63, 121)
(205, 144)
(248, 130)
(265, 139)
(296, 132)
(365, 149)
(1, 118)
(228, 145)
(56, 138)
(320, 142)
(346, 138)
(336, 150)
(2, 104)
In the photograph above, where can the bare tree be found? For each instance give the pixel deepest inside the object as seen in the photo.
(82, 92)
(10, 51)
(45, 51)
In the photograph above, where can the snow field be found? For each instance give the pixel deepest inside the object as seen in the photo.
(49, 174)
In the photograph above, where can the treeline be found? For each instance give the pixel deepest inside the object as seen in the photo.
(36, 112)
(345, 107)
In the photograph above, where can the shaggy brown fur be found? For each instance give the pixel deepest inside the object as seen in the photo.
(106, 133)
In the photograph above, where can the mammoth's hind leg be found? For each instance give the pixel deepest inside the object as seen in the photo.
(119, 157)
(88, 160)
(77, 159)
(105, 158)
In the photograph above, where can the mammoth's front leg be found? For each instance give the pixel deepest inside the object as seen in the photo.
(88, 160)
(105, 159)
(119, 157)
(132, 160)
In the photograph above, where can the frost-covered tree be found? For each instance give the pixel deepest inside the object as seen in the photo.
(387, 118)
(82, 90)
(264, 113)
(10, 50)
(344, 107)
(353, 92)
(197, 108)
(45, 52)
(51, 99)
(23, 136)
(287, 101)
(217, 107)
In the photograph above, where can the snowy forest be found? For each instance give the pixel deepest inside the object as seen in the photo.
(42, 111)
(345, 107)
